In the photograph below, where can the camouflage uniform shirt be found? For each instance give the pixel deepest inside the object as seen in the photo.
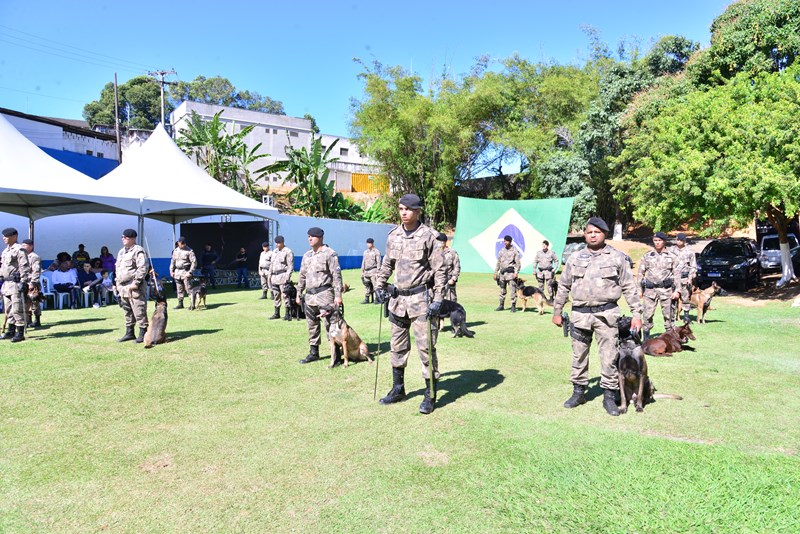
(507, 258)
(282, 266)
(371, 260)
(685, 262)
(452, 265)
(545, 261)
(660, 269)
(264, 261)
(183, 263)
(130, 272)
(320, 269)
(15, 259)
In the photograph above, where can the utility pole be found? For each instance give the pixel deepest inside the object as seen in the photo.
(116, 120)
(159, 75)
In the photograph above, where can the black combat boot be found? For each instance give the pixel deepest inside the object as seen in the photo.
(313, 354)
(686, 317)
(645, 335)
(263, 296)
(179, 306)
(30, 322)
(610, 402)
(19, 335)
(129, 334)
(577, 397)
(428, 403)
(38, 322)
(398, 391)
(514, 308)
(277, 314)
(366, 299)
(12, 329)
(288, 315)
(500, 308)
(142, 332)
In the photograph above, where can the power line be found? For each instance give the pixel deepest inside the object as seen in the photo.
(105, 65)
(40, 94)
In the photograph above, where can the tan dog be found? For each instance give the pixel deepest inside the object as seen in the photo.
(342, 335)
(669, 342)
(537, 295)
(701, 299)
(157, 331)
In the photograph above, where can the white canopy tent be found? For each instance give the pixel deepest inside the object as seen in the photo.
(171, 188)
(34, 185)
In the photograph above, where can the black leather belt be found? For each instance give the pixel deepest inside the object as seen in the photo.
(652, 285)
(685, 274)
(545, 268)
(320, 289)
(594, 309)
(412, 291)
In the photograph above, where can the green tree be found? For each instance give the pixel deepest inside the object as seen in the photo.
(139, 104)
(566, 174)
(220, 91)
(224, 156)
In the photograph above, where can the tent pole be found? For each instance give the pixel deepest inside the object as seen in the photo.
(173, 233)
(30, 229)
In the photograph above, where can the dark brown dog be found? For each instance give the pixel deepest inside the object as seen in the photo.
(198, 293)
(157, 331)
(537, 295)
(669, 342)
(634, 383)
(342, 335)
(701, 299)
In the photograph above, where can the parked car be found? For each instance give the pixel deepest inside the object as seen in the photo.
(569, 248)
(771, 251)
(729, 261)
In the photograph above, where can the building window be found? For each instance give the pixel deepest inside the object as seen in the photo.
(275, 132)
(343, 151)
(100, 154)
(89, 153)
(292, 134)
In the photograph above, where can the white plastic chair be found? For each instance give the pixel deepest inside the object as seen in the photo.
(47, 289)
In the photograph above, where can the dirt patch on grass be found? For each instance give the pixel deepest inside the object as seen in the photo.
(158, 463)
(434, 458)
(671, 437)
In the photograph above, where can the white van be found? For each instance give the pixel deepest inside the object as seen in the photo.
(770, 256)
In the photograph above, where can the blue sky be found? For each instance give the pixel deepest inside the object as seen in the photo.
(55, 56)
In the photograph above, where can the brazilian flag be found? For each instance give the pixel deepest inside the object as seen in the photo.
(482, 224)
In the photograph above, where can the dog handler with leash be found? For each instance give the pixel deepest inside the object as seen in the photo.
(596, 277)
(413, 258)
(660, 279)
(130, 281)
(15, 272)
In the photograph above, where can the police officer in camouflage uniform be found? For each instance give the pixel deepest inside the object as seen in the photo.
(35, 261)
(280, 274)
(506, 271)
(15, 273)
(370, 263)
(264, 264)
(416, 296)
(659, 279)
(596, 277)
(452, 269)
(545, 264)
(686, 265)
(180, 269)
(321, 279)
(131, 285)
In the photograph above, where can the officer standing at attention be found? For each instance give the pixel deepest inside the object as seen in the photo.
(321, 278)
(507, 269)
(35, 261)
(659, 279)
(596, 277)
(686, 265)
(370, 263)
(131, 286)
(544, 265)
(264, 263)
(452, 269)
(280, 276)
(16, 273)
(180, 269)
(412, 255)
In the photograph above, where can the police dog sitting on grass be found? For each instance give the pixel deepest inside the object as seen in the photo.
(157, 331)
(198, 292)
(344, 340)
(537, 295)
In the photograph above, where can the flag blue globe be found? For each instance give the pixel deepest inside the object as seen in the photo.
(516, 235)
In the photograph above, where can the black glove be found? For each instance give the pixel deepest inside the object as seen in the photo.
(16, 277)
(2, 279)
(433, 309)
(22, 287)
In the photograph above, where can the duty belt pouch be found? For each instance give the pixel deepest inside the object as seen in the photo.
(579, 334)
(403, 322)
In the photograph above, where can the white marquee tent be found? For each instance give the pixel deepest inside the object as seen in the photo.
(171, 188)
(34, 185)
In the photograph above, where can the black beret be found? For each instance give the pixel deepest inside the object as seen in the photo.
(661, 235)
(129, 232)
(316, 231)
(508, 238)
(411, 201)
(27, 241)
(681, 237)
(265, 244)
(8, 232)
(279, 239)
(370, 240)
(441, 237)
(181, 239)
(598, 223)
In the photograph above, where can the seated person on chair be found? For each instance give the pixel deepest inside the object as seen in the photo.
(106, 287)
(61, 257)
(65, 280)
(89, 281)
(80, 256)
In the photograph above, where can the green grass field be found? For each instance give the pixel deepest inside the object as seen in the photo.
(222, 430)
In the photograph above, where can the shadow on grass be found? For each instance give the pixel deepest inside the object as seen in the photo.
(79, 333)
(455, 384)
(475, 323)
(217, 305)
(183, 334)
(76, 321)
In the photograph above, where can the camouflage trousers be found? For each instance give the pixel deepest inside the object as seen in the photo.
(370, 281)
(12, 304)
(653, 297)
(604, 327)
(685, 290)
(449, 292)
(265, 280)
(401, 342)
(135, 311)
(503, 285)
(321, 300)
(182, 283)
(279, 295)
(544, 277)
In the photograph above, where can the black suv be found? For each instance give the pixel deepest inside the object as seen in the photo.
(731, 260)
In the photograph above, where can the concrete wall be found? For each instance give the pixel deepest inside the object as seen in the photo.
(52, 136)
